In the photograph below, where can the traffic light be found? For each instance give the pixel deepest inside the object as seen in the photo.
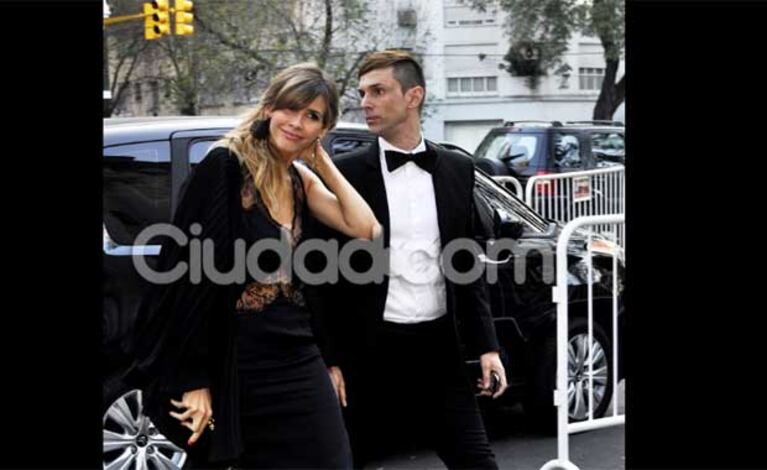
(156, 19)
(184, 18)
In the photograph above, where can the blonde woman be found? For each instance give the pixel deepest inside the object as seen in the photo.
(233, 372)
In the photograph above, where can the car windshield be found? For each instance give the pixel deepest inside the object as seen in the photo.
(500, 198)
(511, 146)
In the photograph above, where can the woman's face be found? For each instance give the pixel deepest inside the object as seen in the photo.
(291, 132)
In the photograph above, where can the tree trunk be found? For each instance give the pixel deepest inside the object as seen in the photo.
(327, 37)
(611, 95)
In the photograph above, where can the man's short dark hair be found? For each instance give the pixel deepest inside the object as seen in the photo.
(407, 71)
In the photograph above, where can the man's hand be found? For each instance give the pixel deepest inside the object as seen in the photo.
(338, 383)
(197, 414)
(491, 362)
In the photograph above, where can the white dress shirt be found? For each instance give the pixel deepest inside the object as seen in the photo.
(416, 284)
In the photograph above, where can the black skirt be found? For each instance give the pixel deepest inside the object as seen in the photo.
(290, 415)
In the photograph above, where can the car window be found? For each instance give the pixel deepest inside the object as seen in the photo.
(608, 147)
(198, 150)
(490, 196)
(136, 181)
(567, 151)
(517, 149)
(347, 144)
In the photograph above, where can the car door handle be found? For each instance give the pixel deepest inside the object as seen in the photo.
(483, 258)
(112, 248)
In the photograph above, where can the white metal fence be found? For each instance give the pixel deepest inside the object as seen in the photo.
(560, 295)
(566, 196)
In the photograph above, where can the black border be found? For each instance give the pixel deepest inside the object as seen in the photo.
(694, 100)
(695, 96)
(50, 390)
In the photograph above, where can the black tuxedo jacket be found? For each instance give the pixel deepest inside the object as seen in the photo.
(348, 320)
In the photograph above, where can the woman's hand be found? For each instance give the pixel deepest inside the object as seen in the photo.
(197, 414)
(338, 383)
(315, 156)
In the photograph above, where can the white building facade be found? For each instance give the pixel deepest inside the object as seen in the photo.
(467, 92)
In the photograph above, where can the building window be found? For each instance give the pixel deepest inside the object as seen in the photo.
(591, 78)
(137, 92)
(459, 13)
(472, 86)
(476, 22)
(407, 18)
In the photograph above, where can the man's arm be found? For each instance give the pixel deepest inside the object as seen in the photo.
(474, 298)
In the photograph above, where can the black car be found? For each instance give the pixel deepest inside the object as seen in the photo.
(148, 160)
(523, 149)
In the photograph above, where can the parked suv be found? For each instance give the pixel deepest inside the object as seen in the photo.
(148, 160)
(523, 149)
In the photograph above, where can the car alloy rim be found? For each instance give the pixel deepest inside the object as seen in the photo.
(132, 441)
(578, 390)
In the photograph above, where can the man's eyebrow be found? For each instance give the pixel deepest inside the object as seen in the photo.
(372, 85)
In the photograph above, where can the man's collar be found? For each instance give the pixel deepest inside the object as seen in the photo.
(384, 146)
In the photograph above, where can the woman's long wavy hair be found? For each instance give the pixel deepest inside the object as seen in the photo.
(294, 88)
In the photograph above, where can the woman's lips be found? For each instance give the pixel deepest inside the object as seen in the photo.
(291, 136)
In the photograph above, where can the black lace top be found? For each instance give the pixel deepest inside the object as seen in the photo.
(274, 283)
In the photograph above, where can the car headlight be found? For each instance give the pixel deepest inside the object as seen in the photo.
(606, 247)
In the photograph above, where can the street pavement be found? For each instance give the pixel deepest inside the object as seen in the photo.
(518, 448)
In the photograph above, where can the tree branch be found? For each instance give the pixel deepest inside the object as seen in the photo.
(231, 43)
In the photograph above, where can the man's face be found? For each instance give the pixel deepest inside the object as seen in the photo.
(382, 100)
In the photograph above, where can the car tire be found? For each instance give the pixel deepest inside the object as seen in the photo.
(539, 400)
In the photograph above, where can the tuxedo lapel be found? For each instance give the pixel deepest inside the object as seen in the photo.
(445, 190)
(375, 190)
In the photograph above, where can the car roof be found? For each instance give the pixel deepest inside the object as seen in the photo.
(542, 126)
(119, 131)
(144, 129)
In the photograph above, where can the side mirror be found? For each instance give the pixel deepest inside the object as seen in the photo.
(505, 227)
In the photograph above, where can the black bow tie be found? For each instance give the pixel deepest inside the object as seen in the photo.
(426, 159)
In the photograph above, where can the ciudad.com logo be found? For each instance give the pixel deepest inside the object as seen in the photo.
(461, 261)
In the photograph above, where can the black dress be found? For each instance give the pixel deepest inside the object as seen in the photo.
(251, 343)
(289, 412)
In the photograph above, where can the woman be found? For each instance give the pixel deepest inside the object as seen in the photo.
(238, 362)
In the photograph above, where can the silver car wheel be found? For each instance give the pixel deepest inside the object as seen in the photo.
(578, 391)
(131, 441)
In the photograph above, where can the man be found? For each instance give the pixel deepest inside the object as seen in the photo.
(392, 348)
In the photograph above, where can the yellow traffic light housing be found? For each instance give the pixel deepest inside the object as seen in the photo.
(184, 17)
(156, 19)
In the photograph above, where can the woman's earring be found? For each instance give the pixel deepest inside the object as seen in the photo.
(260, 128)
